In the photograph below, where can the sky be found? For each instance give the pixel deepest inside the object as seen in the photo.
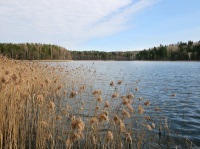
(103, 25)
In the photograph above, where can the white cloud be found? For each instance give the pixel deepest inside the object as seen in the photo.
(65, 22)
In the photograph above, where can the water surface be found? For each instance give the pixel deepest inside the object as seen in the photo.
(157, 81)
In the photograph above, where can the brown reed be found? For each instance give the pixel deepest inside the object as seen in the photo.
(46, 107)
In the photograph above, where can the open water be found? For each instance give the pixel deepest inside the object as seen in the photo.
(157, 81)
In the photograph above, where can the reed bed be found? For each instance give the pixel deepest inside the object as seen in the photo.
(45, 106)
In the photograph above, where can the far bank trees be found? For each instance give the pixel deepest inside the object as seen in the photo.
(34, 51)
(181, 51)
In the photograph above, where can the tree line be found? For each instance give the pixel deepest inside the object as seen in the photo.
(181, 51)
(101, 55)
(34, 51)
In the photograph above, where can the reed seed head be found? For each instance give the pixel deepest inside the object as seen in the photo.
(153, 125)
(59, 87)
(125, 114)
(106, 105)
(119, 82)
(130, 96)
(93, 120)
(51, 105)
(44, 124)
(105, 112)
(140, 109)
(73, 94)
(148, 127)
(82, 87)
(115, 95)
(147, 103)
(112, 83)
(109, 136)
(157, 109)
(64, 112)
(97, 92)
(128, 138)
(147, 118)
(125, 101)
(121, 126)
(173, 95)
(116, 119)
(130, 107)
(140, 98)
(77, 123)
(97, 108)
(99, 99)
(58, 118)
(103, 117)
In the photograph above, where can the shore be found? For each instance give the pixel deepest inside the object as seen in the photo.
(46, 60)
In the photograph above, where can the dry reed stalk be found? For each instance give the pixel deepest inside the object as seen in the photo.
(45, 107)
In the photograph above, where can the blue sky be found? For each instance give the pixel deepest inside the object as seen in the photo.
(104, 25)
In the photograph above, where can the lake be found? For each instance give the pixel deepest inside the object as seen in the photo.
(156, 81)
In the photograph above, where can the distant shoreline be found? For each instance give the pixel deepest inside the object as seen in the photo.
(46, 60)
(106, 61)
(52, 60)
(68, 60)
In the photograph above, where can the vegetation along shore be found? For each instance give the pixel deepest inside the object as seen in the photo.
(44, 106)
(55, 107)
(182, 51)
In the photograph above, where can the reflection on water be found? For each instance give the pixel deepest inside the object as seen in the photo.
(157, 82)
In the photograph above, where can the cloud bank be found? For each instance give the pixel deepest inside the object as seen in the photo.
(67, 23)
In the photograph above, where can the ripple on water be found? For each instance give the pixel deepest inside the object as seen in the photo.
(158, 81)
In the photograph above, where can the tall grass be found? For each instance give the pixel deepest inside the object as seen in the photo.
(54, 107)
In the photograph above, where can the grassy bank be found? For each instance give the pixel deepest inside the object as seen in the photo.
(53, 107)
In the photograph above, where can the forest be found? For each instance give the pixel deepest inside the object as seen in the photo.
(100, 55)
(32, 51)
(181, 51)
